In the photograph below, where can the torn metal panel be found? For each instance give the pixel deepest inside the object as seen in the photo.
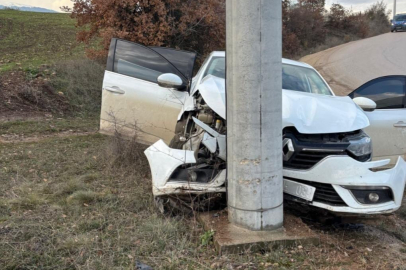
(173, 187)
(221, 139)
(164, 160)
(210, 142)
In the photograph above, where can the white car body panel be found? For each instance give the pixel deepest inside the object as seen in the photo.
(349, 172)
(388, 133)
(161, 166)
(164, 161)
(153, 109)
(308, 113)
(213, 91)
(318, 114)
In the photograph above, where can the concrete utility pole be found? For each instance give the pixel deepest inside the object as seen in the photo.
(254, 113)
(394, 9)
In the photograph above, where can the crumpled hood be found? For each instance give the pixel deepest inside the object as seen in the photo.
(313, 113)
(213, 91)
(308, 113)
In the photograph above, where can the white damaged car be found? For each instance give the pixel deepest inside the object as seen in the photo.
(328, 158)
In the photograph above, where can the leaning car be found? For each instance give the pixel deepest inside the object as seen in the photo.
(327, 155)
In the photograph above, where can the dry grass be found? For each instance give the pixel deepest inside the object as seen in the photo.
(63, 207)
(66, 203)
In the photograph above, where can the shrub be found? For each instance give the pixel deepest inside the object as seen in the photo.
(80, 82)
(197, 25)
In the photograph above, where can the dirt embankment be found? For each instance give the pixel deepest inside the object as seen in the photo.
(348, 66)
(25, 96)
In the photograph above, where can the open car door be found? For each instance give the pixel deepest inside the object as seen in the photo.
(388, 121)
(132, 98)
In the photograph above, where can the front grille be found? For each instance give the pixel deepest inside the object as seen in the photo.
(325, 193)
(307, 159)
(310, 149)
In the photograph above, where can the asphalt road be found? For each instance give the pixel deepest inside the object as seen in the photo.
(348, 66)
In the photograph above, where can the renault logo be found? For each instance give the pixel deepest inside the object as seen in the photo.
(287, 149)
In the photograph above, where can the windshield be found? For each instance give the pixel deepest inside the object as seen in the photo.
(400, 17)
(294, 78)
(303, 79)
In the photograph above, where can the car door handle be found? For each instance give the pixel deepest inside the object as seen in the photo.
(114, 89)
(400, 124)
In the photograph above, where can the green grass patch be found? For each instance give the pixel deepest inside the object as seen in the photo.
(49, 126)
(29, 39)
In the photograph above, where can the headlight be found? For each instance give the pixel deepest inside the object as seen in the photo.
(392, 24)
(361, 145)
(404, 23)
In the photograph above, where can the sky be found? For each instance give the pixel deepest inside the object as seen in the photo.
(360, 5)
(50, 4)
(356, 5)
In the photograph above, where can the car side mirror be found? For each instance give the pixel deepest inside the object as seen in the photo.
(170, 80)
(391, 21)
(366, 104)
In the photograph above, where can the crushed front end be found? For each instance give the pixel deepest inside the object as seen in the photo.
(329, 170)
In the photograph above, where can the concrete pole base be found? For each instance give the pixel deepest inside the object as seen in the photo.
(232, 239)
(254, 220)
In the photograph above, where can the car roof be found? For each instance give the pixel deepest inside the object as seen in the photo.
(284, 60)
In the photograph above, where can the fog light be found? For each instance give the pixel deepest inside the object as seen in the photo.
(373, 197)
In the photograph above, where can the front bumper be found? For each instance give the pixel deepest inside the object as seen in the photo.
(163, 161)
(400, 27)
(341, 172)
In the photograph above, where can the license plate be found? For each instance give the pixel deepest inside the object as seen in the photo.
(299, 190)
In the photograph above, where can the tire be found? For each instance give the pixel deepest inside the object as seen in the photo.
(176, 143)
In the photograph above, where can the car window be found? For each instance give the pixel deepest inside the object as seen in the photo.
(303, 79)
(140, 62)
(182, 60)
(216, 67)
(387, 92)
(400, 17)
(294, 77)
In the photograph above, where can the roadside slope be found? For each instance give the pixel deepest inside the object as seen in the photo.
(348, 66)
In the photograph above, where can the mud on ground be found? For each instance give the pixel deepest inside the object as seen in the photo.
(26, 96)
